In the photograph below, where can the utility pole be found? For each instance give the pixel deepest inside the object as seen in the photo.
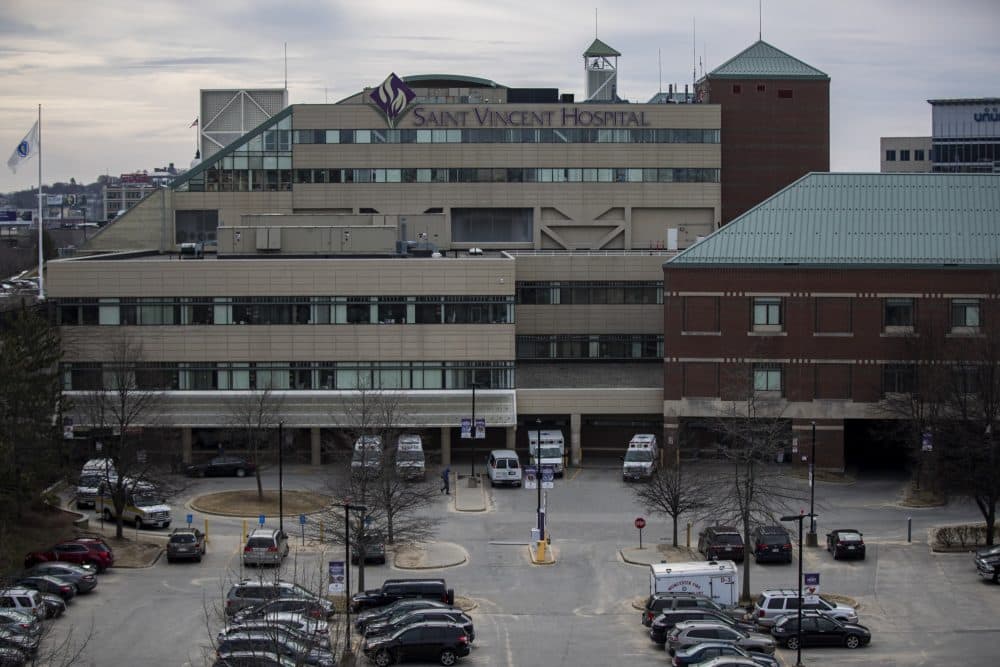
(281, 466)
(799, 517)
(811, 538)
(348, 508)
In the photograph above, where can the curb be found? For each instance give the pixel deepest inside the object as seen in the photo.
(534, 559)
(482, 495)
(429, 567)
(193, 505)
(151, 563)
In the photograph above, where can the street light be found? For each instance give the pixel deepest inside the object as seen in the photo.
(538, 476)
(811, 537)
(473, 471)
(281, 470)
(348, 507)
(799, 517)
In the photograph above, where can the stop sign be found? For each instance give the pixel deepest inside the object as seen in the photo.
(640, 523)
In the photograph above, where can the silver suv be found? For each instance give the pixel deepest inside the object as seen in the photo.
(689, 633)
(265, 546)
(772, 604)
(249, 593)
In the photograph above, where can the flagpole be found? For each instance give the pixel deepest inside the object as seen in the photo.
(41, 221)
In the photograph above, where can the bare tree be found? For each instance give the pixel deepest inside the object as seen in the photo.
(394, 507)
(752, 430)
(672, 491)
(118, 409)
(255, 414)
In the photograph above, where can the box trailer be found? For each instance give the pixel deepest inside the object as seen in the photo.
(718, 580)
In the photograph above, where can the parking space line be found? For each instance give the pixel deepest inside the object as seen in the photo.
(575, 473)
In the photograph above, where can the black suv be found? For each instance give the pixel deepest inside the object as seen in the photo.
(433, 640)
(818, 629)
(772, 543)
(660, 602)
(397, 589)
(381, 614)
(407, 618)
(721, 542)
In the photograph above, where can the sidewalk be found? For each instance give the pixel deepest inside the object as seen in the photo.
(657, 553)
(430, 556)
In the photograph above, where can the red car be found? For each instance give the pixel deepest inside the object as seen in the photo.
(82, 551)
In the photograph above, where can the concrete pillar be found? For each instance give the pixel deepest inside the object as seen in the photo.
(446, 445)
(575, 452)
(829, 443)
(511, 436)
(671, 445)
(186, 444)
(316, 452)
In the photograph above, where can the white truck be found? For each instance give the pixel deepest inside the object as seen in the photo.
(718, 580)
(551, 451)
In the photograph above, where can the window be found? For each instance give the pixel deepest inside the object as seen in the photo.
(918, 155)
(767, 377)
(890, 156)
(496, 225)
(904, 155)
(767, 313)
(784, 93)
(964, 314)
(898, 378)
(737, 89)
(899, 313)
(196, 226)
(760, 88)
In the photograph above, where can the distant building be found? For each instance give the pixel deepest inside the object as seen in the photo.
(905, 154)
(966, 135)
(127, 190)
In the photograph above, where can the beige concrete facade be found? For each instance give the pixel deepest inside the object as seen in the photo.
(905, 152)
(616, 231)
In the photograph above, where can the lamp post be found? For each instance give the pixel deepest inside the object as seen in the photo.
(538, 476)
(281, 471)
(811, 539)
(799, 517)
(348, 507)
(473, 471)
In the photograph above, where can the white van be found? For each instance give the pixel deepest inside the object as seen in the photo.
(92, 474)
(410, 462)
(143, 506)
(552, 449)
(718, 580)
(367, 454)
(641, 457)
(645, 441)
(504, 467)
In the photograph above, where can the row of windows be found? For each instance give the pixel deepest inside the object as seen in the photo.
(600, 347)
(510, 136)
(967, 152)
(904, 155)
(581, 292)
(508, 175)
(896, 378)
(305, 375)
(286, 310)
(897, 312)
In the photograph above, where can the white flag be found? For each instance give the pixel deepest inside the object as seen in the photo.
(25, 149)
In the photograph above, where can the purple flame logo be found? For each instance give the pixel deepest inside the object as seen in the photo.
(392, 97)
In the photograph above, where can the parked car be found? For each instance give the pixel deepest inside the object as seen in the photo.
(270, 624)
(27, 644)
(255, 658)
(185, 543)
(721, 543)
(45, 583)
(222, 466)
(374, 548)
(728, 661)
(660, 602)
(410, 464)
(23, 599)
(397, 589)
(665, 621)
(444, 642)
(690, 633)
(12, 657)
(380, 614)
(314, 630)
(411, 616)
(54, 605)
(771, 543)
(317, 608)
(699, 653)
(503, 467)
(20, 622)
(81, 551)
(367, 456)
(772, 604)
(250, 593)
(263, 641)
(265, 546)
(845, 543)
(83, 577)
(988, 564)
(819, 629)
(638, 463)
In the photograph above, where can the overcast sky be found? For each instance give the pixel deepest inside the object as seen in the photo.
(118, 81)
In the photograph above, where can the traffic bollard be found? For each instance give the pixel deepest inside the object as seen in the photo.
(689, 535)
(321, 532)
(244, 530)
(206, 531)
(909, 529)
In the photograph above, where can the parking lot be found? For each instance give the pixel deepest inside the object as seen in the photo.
(922, 608)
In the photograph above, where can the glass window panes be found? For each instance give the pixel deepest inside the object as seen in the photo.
(766, 311)
(899, 312)
(965, 313)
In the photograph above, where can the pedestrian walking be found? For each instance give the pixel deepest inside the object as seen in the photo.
(446, 480)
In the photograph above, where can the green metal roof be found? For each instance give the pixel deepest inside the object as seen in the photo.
(599, 49)
(864, 220)
(452, 79)
(763, 61)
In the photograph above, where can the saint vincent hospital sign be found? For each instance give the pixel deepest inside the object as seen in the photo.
(393, 98)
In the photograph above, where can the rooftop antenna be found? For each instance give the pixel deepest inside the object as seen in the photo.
(694, 49)
(595, 22)
(760, 20)
(659, 59)
(286, 67)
